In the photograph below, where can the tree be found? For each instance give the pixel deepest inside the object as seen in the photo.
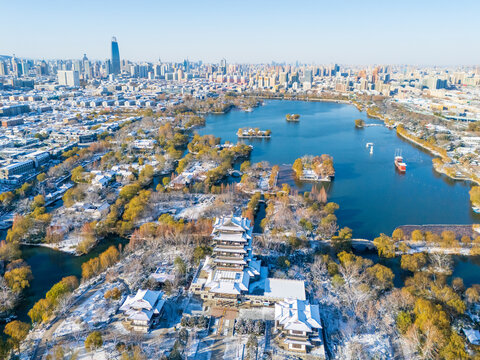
(382, 277)
(19, 278)
(404, 321)
(200, 252)
(472, 294)
(448, 236)
(417, 235)
(245, 166)
(114, 294)
(93, 341)
(9, 250)
(61, 289)
(78, 174)
(298, 168)
(455, 349)
(385, 246)
(38, 201)
(413, 262)
(330, 208)
(342, 241)
(398, 234)
(180, 265)
(40, 312)
(475, 195)
(109, 257)
(41, 177)
(17, 330)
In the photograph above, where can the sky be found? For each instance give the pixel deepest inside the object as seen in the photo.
(421, 32)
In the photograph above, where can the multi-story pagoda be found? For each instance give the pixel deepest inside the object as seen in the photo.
(226, 275)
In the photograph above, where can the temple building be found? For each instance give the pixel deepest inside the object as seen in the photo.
(226, 275)
(298, 325)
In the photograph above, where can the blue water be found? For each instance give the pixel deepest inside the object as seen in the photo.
(372, 195)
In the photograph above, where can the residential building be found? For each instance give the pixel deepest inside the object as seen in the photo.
(68, 78)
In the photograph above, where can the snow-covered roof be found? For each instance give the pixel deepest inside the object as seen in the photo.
(473, 336)
(232, 223)
(297, 315)
(284, 288)
(143, 305)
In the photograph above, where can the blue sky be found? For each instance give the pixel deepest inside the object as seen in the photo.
(343, 31)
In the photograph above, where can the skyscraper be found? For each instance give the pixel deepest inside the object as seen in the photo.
(115, 56)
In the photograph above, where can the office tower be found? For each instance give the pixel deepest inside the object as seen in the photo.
(3, 69)
(307, 76)
(223, 66)
(43, 68)
(68, 78)
(115, 56)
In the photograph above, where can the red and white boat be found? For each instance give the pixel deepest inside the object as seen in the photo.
(401, 166)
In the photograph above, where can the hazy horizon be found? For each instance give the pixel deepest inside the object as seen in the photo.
(315, 32)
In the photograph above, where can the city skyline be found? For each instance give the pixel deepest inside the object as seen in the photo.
(428, 33)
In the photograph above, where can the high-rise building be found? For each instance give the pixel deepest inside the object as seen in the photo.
(68, 78)
(3, 69)
(115, 56)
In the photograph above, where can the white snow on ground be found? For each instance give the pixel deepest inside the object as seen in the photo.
(234, 347)
(376, 345)
(92, 313)
(194, 212)
(68, 245)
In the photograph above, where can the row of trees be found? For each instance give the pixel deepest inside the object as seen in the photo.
(100, 263)
(56, 297)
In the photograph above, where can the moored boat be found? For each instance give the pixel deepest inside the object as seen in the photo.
(401, 166)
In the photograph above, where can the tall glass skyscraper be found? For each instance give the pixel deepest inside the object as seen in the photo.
(115, 56)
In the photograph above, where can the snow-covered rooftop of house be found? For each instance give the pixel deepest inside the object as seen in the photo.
(143, 305)
(297, 315)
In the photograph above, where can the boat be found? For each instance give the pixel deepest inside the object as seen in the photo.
(249, 109)
(476, 209)
(401, 166)
(368, 144)
(371, 150)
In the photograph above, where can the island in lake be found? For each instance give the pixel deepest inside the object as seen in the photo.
(292, 117)
(314, 168)
(359, 123)
(253, 133)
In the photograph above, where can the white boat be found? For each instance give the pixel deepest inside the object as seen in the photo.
(371, 150)
(369, 144)
(476, 209)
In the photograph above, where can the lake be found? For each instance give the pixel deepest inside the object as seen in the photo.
(372, 195)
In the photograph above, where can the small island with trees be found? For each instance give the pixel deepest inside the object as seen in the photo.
(253, 133)
(292, 117)
(359, 123)
(314, 168)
